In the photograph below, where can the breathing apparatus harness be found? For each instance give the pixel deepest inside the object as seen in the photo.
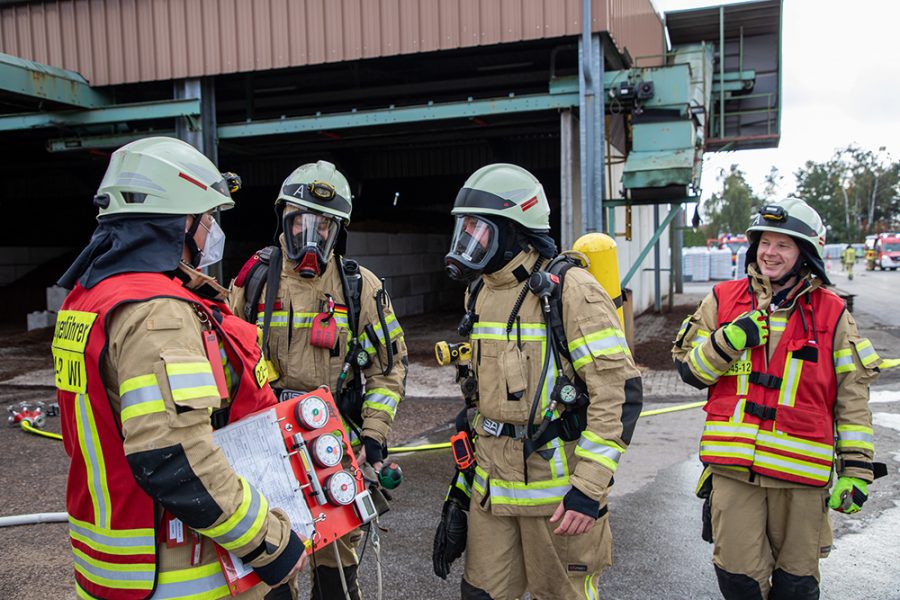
(547, 285)
(265, 269)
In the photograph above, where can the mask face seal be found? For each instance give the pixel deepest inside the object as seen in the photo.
(474, 243)
(309, 239)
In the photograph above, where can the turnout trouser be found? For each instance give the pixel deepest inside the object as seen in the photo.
(774, 536)
(505, 556)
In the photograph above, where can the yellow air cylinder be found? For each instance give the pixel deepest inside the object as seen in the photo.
(600, 250)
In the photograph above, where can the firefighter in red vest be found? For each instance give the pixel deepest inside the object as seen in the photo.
(787, 415)
(149, 360)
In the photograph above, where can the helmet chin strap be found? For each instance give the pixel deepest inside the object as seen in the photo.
(794, 272)
(191, 243)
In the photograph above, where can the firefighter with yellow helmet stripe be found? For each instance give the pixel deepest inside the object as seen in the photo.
(787, 414)
(553, 416)
(142, 348)
(316, 284)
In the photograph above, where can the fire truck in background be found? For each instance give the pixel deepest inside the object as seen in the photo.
(887, 251)
(730, 241)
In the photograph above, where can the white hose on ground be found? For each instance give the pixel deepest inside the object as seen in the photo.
(54, 517)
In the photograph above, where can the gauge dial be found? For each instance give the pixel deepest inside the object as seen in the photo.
(341, 488)
(328, 450)
(312, 413)
(567, 394)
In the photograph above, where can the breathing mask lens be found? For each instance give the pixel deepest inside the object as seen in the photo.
(214, 247)
(310, 238)
(473, 244)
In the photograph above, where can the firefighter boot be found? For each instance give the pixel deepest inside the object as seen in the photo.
(326, 583)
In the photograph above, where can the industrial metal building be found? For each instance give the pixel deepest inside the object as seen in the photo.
(406, 97)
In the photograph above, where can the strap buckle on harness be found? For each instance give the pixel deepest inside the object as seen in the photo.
(765, 413)
(496, 429)
(764, 379)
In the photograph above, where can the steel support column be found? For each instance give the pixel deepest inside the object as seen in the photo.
(570, 184)
(661, 227)
(591, 125)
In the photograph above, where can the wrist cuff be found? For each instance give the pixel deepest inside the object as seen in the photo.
(278, 569)
(576, 500)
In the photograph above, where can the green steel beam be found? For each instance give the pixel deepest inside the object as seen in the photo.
(102, 141)
(141, 111)
(29, 78)
(406, 114)
(646, 250)
(735, 81)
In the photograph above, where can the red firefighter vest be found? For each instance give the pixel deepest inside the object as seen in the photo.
(776, 419)
(111, 519)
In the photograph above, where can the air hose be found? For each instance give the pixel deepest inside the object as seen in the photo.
(427, 447)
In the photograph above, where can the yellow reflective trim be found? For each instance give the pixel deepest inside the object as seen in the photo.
(117, 550)
(79, 591)
(101, 462)
(113, 583)
(725, 434)
(254, 528)
(144, 408)
(606, 462)
(842, 444)
(860, 428)
(823, 472)
(237, 516)
(118, 533)
(182, 575)
(192, 393)
(124, 568)
(137, 382)
(188, 368)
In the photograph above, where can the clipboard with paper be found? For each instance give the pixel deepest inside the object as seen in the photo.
(298, 456)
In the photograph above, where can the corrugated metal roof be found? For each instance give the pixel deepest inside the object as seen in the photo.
(126, 41)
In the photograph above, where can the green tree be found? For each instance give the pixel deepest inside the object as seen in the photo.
(856, 192)
(729, 210)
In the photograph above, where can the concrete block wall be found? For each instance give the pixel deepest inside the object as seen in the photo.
(17, 261)
(412, 265)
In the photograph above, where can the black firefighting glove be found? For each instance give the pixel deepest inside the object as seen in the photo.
(374, 451)
(450, 537)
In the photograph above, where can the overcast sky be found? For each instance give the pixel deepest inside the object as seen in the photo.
(841, 85)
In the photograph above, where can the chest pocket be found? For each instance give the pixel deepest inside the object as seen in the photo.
(503, 381)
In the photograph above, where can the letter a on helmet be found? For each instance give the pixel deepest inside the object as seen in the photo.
(314, 204)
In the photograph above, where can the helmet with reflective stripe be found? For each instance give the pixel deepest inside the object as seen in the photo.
(795, 218)
(507, 191)
(319, 187)
(162, 175)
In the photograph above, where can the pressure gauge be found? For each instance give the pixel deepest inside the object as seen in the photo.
(311, 413)
(328, 450)
(564, 392)
(341, 488)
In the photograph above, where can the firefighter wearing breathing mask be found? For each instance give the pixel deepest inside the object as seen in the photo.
(787, 415)
(326, 321)
(149, 360)
(558, 397)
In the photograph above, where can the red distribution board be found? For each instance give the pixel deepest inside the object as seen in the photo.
(326, 469)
